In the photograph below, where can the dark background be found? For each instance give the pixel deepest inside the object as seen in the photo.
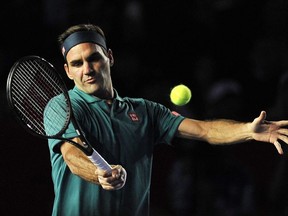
(231, 53)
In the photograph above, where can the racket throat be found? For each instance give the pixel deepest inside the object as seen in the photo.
(83, 142)
(85, 145)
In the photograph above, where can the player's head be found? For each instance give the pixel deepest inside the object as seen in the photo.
(80, 34)
(87, 59)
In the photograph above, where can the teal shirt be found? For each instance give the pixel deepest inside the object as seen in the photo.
(127, 131)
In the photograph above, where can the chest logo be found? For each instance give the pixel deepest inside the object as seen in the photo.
(133, 117)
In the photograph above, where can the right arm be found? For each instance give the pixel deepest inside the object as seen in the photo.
(80, 165)
(78, 162)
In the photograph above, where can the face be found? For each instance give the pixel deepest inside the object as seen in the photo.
(89, 68)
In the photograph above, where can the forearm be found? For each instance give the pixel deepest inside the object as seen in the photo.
(215, 132)
(78, 163)
(226, 132)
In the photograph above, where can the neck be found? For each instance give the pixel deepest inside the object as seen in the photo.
(105, 94)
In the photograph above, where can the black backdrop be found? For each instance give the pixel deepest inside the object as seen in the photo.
(231, 53)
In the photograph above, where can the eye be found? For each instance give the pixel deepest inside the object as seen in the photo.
(76, 63)
(96, 57)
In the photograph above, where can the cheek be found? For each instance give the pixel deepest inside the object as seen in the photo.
(75, 75)
(69, 73)
(77, 78)
(106, 66)
(70, 77)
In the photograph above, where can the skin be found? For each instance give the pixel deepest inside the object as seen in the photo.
(89, 68)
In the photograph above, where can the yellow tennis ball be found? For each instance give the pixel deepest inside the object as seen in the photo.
(180, 95)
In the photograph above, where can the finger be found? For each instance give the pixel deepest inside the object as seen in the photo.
(115, 172)
(283, 138)
(282, 123)
(119, 179)
(106, 180)
(110, 180)
(112, 183)
(115, 185)
(123, 174)
(111, 188)
(283, 131)
(123, 177)
(108, 187)
(278, 147)
(117, 182)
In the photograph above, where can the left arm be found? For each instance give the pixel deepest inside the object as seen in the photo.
(229, 131)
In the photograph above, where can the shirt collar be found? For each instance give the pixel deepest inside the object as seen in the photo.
(92, 99)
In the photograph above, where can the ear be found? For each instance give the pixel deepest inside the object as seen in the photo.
(110, 56)
(66, 68)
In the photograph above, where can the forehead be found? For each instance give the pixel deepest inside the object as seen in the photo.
(83, 50)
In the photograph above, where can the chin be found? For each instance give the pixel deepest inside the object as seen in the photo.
(89, 89)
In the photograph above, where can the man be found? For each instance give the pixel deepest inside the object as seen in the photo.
(127, 129)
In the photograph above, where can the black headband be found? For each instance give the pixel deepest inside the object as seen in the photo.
(82, 37)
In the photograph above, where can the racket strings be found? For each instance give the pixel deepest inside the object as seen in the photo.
(33, 86)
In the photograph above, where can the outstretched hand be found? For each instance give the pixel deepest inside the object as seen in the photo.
(270, 131)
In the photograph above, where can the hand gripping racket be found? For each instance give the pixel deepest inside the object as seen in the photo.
(40, 101)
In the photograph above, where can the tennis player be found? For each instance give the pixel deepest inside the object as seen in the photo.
(128, 130)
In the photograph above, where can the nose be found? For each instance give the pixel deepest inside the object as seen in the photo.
(88, 68)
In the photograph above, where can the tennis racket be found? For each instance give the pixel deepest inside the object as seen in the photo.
(40, 101)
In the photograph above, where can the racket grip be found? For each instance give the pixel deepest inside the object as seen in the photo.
(99, 161)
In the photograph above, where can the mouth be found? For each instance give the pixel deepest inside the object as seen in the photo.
(90, 80)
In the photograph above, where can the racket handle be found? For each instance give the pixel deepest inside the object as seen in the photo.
(99, 161)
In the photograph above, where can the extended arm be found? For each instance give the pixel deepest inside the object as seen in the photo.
(229, 131)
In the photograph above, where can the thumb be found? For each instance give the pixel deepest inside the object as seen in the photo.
(261, 117)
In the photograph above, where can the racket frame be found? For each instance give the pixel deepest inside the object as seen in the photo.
(90, 152)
